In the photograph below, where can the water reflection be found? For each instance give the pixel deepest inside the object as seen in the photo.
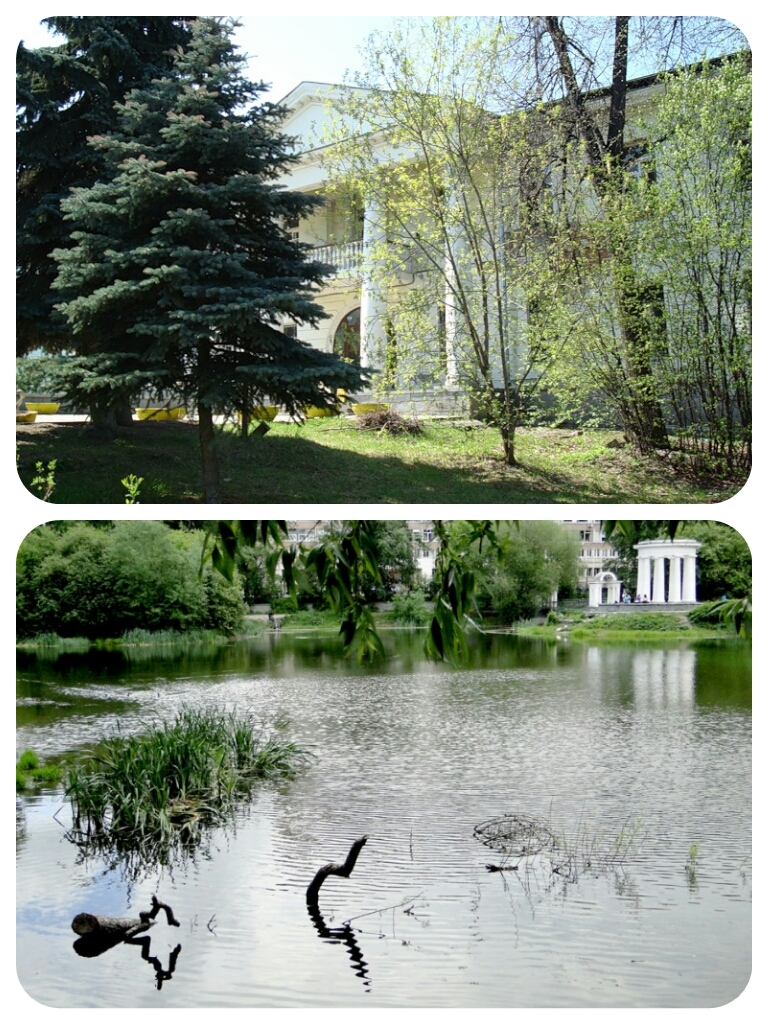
(343, 935)
(663, 678)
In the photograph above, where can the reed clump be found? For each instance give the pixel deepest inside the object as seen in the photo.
(173, 779)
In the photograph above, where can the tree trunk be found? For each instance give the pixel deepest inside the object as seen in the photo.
(210, 462)
(647, 426)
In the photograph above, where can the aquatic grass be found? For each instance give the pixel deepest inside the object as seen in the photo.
(146, 637)
(46, 643)
(173, 778)
(30, 771)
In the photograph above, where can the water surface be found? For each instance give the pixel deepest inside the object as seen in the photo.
(638, 757)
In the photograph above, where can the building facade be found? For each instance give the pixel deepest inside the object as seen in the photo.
(595, 549)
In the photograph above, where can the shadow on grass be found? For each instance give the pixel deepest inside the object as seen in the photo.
(298, 470)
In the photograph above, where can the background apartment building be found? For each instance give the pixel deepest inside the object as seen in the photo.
(595, 549)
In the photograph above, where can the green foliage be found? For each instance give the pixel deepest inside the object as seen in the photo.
(92, 582)
(29, 771)
(66, 93)
(643, 622)
(695, 230)
(132, 483)
(461, 543)
(724, 563)
(44, 483)
(28, 761)
(410, 609)
(167, 783)
(311, 617)
(34, 373)
(453, 214)
(535, 560)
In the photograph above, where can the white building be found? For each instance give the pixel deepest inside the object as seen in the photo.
(346, 233)
(595, 549)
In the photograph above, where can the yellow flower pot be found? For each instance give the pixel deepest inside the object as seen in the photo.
(161, 413)
(44, 408)
(264, 412)
(361, 408)
(316, 411)
(26, 417)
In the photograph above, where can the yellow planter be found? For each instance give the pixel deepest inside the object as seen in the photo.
(264, 412)
(315, 411)
(26, 417)
(44, 408)
(161, 414)
(363, 407)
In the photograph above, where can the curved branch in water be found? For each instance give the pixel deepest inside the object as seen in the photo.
(343, 870)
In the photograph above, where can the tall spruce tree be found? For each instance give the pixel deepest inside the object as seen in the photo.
(182, 273)
(64, 94)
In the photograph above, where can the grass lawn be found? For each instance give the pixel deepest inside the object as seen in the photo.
(334, 461)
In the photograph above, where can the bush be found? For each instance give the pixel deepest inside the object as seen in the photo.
(79, 579)
(410, 609)
(708, 614)
(644, 622)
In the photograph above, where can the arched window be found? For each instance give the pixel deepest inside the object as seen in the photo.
(346, 340)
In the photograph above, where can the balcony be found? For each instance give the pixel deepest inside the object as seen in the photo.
(345, 259)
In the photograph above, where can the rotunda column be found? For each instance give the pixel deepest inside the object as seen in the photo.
(675, 567)
(689, 578)
(643, 576)
(658, 596)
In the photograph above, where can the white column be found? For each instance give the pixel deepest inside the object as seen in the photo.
(595, 594)
(453, 318)
(689, 578)
(674, 577)
(643, 576)
(658, 596)
(373, 307)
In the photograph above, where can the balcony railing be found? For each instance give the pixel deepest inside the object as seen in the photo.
(345, 259)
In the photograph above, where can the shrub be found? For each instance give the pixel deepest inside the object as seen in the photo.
(80, 579)
(410, 609)
(709, 614)
(646, 622)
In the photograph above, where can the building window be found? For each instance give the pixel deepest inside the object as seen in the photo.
(291, 331)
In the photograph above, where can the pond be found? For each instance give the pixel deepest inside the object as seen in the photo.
(637, 759)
